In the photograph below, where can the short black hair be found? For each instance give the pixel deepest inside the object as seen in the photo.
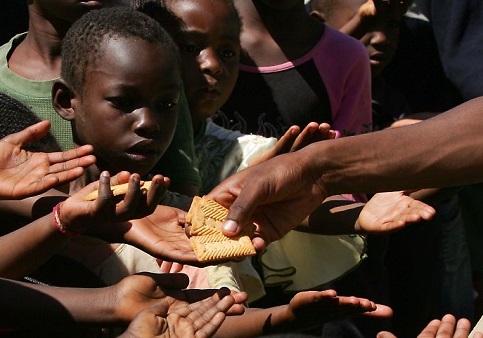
(160, 11)
(15, 117)
(83, 41)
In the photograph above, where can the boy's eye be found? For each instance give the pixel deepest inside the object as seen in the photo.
(228, 53)
(123, 103)
(167, 105)
(193, 49)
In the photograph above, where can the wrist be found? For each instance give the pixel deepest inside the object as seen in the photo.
(60, 225)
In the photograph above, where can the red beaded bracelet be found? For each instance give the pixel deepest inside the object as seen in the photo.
(61, 227)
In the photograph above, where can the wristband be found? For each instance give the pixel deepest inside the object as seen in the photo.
(61, 227)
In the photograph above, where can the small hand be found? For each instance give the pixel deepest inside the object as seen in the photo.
(310, 308)
(136, 292)
(447, 327)
(95, 216)
(162, 235)
(25, 173)
(294, 139)
(391, 211)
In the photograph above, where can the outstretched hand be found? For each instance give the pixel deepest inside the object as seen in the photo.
(96, 216)
(447, 327)
(277, 203)
(391, 211)
(162, 235)
(295, 139)
(310, 308)
(136, 292)
(24, 173)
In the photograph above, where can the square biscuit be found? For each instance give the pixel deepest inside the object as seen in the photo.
(205, 217)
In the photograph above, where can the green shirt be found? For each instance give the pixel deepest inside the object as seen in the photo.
(177, 163)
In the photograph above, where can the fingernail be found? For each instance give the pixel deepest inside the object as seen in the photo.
(230, 226)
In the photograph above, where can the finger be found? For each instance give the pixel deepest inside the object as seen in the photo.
(381, 311)
(29, 134)
(463, 327)
(77, 157)
(105, 192)
(132, 197)
(385, 334)
(285, 143)
(430, 330)
(159, 184)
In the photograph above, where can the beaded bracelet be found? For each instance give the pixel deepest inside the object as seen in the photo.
(61, 227)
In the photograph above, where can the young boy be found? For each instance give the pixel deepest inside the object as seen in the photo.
(30, 64)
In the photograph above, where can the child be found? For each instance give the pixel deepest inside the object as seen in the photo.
(296, 70)
(30, 64)
(437, 246)
(207, 36)
(133, 98)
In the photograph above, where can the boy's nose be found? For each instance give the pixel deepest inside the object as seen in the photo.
(379, 38)
(147, 121)
(209, 63)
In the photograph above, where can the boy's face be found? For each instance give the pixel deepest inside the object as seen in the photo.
(127, 109)
(210, 49)
(382, 37)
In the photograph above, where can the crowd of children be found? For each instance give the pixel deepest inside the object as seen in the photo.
(195, 95)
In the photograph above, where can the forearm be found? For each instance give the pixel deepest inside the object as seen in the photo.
(27, 305)
(446, 150)
(24, 250)
(253, 323)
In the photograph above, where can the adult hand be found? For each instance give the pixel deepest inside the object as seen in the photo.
(277, 195)
(24, 173)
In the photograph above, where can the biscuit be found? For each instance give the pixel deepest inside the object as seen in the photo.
(205, 217)
(119, 189)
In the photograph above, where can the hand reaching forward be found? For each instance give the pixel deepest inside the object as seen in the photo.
(391, 211)
(447, 327)
(24, 173)
(310, 308)
(294, 139)
(277, 195)
(136, 292)
(95, 217)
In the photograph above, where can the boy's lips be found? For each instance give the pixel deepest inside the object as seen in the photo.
(209, 93)
(92, 4)
(144, 151)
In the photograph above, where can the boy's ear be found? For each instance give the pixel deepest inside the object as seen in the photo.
(62, 95)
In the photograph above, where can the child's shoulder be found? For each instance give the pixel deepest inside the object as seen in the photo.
(339, 45)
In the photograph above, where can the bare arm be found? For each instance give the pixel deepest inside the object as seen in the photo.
(446, 150)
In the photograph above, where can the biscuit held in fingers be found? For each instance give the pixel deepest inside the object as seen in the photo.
(205, 218)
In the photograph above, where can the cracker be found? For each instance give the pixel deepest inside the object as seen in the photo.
(209, 243)
(117, 190)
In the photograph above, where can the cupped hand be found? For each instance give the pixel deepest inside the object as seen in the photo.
(391, 211)
(95, 216)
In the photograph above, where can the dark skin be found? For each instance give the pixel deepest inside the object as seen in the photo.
(276, 31)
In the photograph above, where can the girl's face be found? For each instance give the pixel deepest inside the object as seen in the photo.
(382, 37)
(127, 108)
(209, 43)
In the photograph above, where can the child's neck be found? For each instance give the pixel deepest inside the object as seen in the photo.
(38, 57)
(271, 37)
